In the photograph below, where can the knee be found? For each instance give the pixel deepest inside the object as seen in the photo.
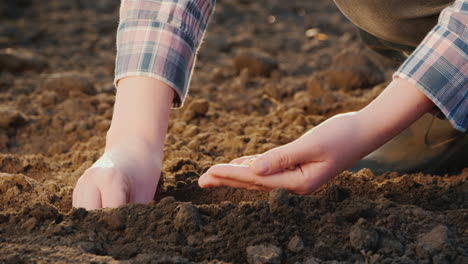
(399, 21)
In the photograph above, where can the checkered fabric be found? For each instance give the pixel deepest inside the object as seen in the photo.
(160, 39)
(439, 68)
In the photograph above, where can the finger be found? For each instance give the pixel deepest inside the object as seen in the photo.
(86, 195)
(293, 180)
(319, 174)
(243, 160)
(114, 195)
(113, 189)
(234, 172)
(147, 195)
(208, 181)
(284, 157)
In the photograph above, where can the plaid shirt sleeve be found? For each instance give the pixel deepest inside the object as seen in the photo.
(160, 39)
(439, 68)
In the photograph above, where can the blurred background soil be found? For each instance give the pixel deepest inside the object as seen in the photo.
(267, 72)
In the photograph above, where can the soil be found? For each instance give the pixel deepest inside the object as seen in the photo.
(268, 71)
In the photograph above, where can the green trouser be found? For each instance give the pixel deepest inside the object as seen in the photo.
(393, 27)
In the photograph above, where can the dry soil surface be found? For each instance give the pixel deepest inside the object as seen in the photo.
(268, 71)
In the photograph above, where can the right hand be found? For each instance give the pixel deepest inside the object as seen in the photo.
(130, 170)
(127, 173)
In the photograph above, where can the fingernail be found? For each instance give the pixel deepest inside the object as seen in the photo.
(260, 166)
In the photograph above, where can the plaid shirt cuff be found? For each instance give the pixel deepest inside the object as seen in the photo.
(439, 68)
(160, 39)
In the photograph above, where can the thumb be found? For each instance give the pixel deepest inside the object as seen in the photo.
(284, 157)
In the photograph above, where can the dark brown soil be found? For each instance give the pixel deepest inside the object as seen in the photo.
(260, 82)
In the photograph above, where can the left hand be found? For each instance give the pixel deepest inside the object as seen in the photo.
(300, 166)
(235, 174)
(326, 150)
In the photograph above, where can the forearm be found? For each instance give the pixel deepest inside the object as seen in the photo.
(399, 105)
(141, 111)
(346, 138)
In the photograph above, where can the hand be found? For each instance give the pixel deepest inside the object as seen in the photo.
(300, 166)
(328, 149)
(129, 170)
(126, 173)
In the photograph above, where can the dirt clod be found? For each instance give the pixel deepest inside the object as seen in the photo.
(337, 193)
(114, 219)
(295, 244)
(42, 211)
(313, 260)
(69, 83)
(16, 61)
(11, 117)
(432, 242)
(4, 218)
(278, 198)
(257, 63)
(124, 252)
(30, 224)
(362, 237)
(353, 69)
(78, 214)
(315, 86)
(63, 229)
(187, 218)
(199, 107)
(264, 254)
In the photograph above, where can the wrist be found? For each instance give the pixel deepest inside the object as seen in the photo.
(114, 140)
(337, 138)
(141, 111)
(396, 108)
(135, 146)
